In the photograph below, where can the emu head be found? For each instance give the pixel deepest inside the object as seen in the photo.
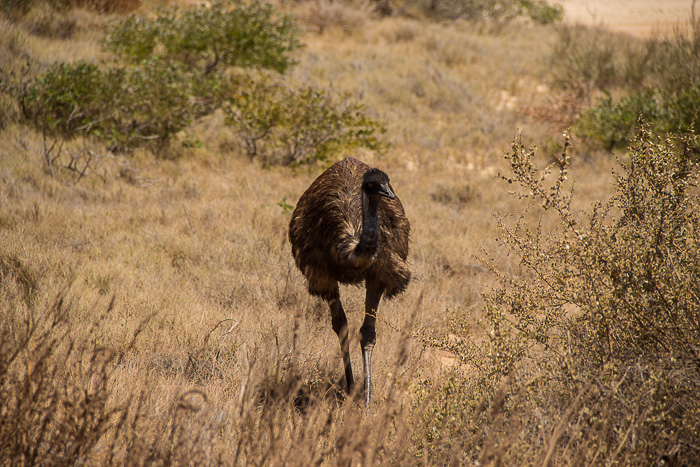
(375, 182)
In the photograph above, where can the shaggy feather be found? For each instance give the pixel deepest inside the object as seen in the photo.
(326, 228)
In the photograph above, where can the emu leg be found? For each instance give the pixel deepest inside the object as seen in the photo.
(368, 337)
(340, 326)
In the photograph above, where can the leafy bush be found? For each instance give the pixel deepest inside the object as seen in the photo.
(541, 12)
(67, 97)
(278, 124)
(179, 58)
(155, 102)
(248, 35)
(615, 125)
(66, 101)
(125, 107)
(156, 95)
(297, 126)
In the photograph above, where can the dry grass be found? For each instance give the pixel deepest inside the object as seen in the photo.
(234, 362)
(319, 15)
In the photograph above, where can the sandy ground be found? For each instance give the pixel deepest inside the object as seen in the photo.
(637, 17)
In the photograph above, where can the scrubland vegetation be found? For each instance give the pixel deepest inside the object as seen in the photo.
(151, 312)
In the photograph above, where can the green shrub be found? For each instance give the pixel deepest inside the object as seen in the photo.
(247, 35)
(616, 125)
(179, 60)
(124, 107)
(541, 12)
(155, 102)
(277, 123)
(66, 98)
(298, 126)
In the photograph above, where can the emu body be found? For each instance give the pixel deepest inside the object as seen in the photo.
(349, 227)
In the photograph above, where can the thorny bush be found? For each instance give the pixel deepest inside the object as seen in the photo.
(600, 329)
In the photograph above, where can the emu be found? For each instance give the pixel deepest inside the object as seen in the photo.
(349, 227)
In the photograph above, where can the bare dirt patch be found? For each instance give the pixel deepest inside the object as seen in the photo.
(640, 18)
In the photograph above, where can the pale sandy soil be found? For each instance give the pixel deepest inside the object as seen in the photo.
(638, 17)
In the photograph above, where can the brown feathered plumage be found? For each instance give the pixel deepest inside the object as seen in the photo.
(326, 227)
(349, 227)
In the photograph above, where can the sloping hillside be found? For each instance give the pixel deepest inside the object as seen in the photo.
(152, 311)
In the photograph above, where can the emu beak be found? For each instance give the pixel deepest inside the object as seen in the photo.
(385, 190)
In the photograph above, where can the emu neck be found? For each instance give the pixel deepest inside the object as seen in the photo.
(370, 225)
